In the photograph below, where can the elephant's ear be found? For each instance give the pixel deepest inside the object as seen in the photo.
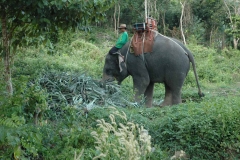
(120, 60)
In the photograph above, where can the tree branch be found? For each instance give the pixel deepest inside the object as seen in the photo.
(229, 13)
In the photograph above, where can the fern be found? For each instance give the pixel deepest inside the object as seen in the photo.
(13, 122)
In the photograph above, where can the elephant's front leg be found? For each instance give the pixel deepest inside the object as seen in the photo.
(149, 94)
(140, 85)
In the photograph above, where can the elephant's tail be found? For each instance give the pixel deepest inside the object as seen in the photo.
(190, 56)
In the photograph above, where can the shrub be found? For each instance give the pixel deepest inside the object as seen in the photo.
(208, 130)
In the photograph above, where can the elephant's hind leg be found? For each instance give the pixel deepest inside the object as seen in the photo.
(168, 97)
(149, 94)
(172, 96)
(176, 97)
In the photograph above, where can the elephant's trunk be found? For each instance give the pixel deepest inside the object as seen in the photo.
(107, 78)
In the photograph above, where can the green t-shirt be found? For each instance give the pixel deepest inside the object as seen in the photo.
(123, 38)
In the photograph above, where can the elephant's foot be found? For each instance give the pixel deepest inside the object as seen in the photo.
(148, 103)
(165, 103)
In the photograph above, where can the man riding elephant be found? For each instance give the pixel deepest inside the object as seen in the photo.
(122, 40)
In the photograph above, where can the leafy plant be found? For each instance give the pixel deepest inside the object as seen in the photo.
(203, 131)
(79, 91)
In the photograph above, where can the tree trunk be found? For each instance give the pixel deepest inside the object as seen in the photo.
(181, 22)
(223, 42)
(156, 15)
(6, 53)
(236, 12)
(114, 17)
(164, 23)
(235, 42)
(146, 10)
(118, 16)
(210, 39)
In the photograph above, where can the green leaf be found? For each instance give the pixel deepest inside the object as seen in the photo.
(45, 2)
(17, 152)
(40, 4)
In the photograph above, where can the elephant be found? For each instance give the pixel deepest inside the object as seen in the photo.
(168, 63)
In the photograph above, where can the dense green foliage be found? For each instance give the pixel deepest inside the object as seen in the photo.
(205, 130)
(213, 23)
(208, 20)
(58, 99)
(59, 110)
(27, 22)
(42, 19)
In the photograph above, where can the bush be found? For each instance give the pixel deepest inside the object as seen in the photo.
(208, 130)
(205, 130)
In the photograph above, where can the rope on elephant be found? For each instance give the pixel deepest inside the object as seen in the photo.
(143, 45)
(128, 52)
(172, 41)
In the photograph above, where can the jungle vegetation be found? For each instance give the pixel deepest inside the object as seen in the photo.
(52, 105)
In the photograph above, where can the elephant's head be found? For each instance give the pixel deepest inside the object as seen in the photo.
(114, 68)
